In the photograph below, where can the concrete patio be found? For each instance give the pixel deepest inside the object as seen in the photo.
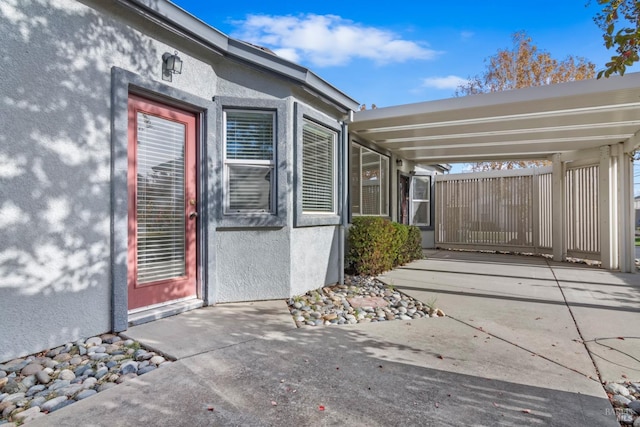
(542, 306)
(509, 353)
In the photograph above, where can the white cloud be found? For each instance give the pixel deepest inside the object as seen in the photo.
(465, 35)
(328, 40)
(448, 82)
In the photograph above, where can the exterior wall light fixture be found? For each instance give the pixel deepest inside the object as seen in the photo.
(399, 162)
(171, 64)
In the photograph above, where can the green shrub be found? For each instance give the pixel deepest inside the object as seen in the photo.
(414, 243)
(400, 237)
(377, 245)
(371, 245)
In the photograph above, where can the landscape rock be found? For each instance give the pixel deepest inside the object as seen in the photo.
(84, 394)
(362, 299)
(43, 377)
(66, 374)
(35, 385)
(53, 404)
(93, 341)
(617, 389)
(620, 401)
(12, 387)
(31, 369)
(22, 416)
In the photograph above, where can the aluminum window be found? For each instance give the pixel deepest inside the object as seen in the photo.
(249, 143)
(369, 182)
(421, 201)
(318, 169)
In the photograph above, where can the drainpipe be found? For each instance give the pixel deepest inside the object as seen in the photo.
(344, 195)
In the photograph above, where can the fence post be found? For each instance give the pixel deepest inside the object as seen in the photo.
(535, 205)
(558, 236)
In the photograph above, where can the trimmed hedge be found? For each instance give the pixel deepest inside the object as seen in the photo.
(377, 245)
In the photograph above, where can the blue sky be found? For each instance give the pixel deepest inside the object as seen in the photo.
(411, 52)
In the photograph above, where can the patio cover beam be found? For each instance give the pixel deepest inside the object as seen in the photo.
(559, 118)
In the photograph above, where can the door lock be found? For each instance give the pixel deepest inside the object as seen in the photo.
(193, 215)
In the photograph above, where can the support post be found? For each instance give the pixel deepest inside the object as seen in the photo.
(606, 197)
(626, 214)
(344, 201)
(558, 235)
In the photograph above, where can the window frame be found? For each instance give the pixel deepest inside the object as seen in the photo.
(305, 114)
(383, 186)
(228, 163)
(413, 201)
(277, 216)
(333, 135)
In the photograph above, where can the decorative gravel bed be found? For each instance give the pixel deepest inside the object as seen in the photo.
(625, 399)
(361, 299)
(33, 386)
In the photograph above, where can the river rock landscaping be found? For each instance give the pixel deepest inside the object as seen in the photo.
(625, 399)
(33, 386)
(361, 299)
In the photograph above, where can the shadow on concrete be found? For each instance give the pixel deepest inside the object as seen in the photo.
(329, 376)
(521, 299)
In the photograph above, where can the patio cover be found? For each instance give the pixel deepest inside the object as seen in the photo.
(531, 123)
(582, 122)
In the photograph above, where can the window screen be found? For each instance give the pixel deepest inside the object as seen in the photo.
(249, 161)
(318, 168)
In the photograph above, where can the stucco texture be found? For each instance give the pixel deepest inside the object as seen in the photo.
(315, 258)
(252, 265)
(55, 224)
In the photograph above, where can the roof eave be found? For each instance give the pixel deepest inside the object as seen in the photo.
(182, 23)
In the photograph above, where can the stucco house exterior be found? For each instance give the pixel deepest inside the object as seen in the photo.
(150, 164)
(130, 191)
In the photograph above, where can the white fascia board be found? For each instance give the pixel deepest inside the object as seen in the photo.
(577, 94)
(180, 18)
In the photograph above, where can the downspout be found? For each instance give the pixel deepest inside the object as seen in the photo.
(344, 194)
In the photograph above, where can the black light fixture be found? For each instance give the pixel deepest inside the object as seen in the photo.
(171, 64)
(399, 162)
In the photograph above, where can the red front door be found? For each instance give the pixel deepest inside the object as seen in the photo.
(162, 203)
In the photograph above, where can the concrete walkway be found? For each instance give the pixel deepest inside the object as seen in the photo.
(546, 307)
(509, 353)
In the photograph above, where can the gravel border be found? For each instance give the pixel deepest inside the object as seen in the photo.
(361, 299)
(33, 386)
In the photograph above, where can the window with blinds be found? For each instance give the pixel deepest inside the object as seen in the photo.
(160, 199)
(369, 182)
(318, 169)
(249, 161)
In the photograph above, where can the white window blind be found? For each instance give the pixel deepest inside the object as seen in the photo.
(318, 169)
(249, 161)
(160, 199)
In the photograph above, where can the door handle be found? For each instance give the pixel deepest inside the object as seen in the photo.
(193, 215)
